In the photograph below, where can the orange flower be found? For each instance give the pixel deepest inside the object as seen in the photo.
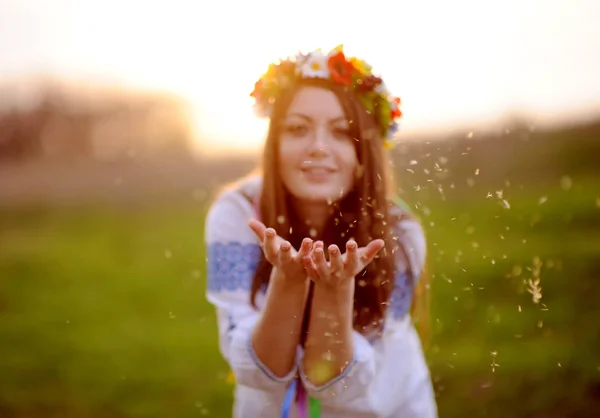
(287, 68)
(341, 70)
(259, 88)
(396, 112)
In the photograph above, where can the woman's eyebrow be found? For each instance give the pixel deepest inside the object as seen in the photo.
(338, 119)
(309, 119)
(299, 115)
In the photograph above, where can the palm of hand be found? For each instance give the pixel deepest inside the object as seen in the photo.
(280, 252)
(310, 260)
(341, 268)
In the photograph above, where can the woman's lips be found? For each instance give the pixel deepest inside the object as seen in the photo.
(317, 174)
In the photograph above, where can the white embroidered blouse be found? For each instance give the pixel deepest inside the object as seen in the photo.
(388, 378)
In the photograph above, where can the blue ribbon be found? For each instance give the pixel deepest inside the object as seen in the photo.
(288, 399)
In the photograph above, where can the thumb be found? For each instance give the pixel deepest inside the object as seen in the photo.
(258, 228)
(370, 251)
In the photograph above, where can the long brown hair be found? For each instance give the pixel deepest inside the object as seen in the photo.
(363, 214)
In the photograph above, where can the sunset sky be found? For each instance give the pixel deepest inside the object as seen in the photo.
(454, 63)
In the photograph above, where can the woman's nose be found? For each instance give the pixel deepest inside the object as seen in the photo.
(318, 144)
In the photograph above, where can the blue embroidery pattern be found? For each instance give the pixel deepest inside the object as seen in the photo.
(401, 296)
(230, 266)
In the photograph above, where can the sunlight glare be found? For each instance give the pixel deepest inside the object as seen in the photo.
(451, 63)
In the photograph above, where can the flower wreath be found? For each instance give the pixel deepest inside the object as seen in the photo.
(336, 67)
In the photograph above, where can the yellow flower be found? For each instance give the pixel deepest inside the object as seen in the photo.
(339, 48)
(360, 66)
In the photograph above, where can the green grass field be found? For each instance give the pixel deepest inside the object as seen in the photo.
(102, 308)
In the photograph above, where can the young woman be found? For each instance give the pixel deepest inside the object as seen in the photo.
(313, 265)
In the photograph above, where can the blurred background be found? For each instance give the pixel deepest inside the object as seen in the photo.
(119, 121)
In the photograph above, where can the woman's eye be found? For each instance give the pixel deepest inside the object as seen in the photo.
(342, 133)
(296, 130)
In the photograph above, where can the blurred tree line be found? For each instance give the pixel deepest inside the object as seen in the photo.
(61, 120)
(514, 150)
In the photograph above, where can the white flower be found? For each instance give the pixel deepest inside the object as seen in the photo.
(393, 105)
(382, 89)
(315, 66)
(300, 58)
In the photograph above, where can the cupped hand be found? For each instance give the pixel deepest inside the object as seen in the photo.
(280, 253)
(341, 268)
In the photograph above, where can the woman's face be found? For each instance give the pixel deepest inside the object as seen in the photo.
(317, 155)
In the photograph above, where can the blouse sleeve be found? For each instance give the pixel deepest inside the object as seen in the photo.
(233, 253)
(389, 374)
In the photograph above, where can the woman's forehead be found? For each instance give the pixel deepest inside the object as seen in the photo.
(316, 103)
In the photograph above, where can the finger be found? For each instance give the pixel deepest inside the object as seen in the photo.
(373, 248)
(335, 260)
(351, 262)
(258, 228)
(285, 252)
(370, 251)
(270, 244)
(310, 268)
(318, 244)
(305, 248)
(320, 261)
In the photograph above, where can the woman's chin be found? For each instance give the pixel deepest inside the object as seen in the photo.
(321, 194)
